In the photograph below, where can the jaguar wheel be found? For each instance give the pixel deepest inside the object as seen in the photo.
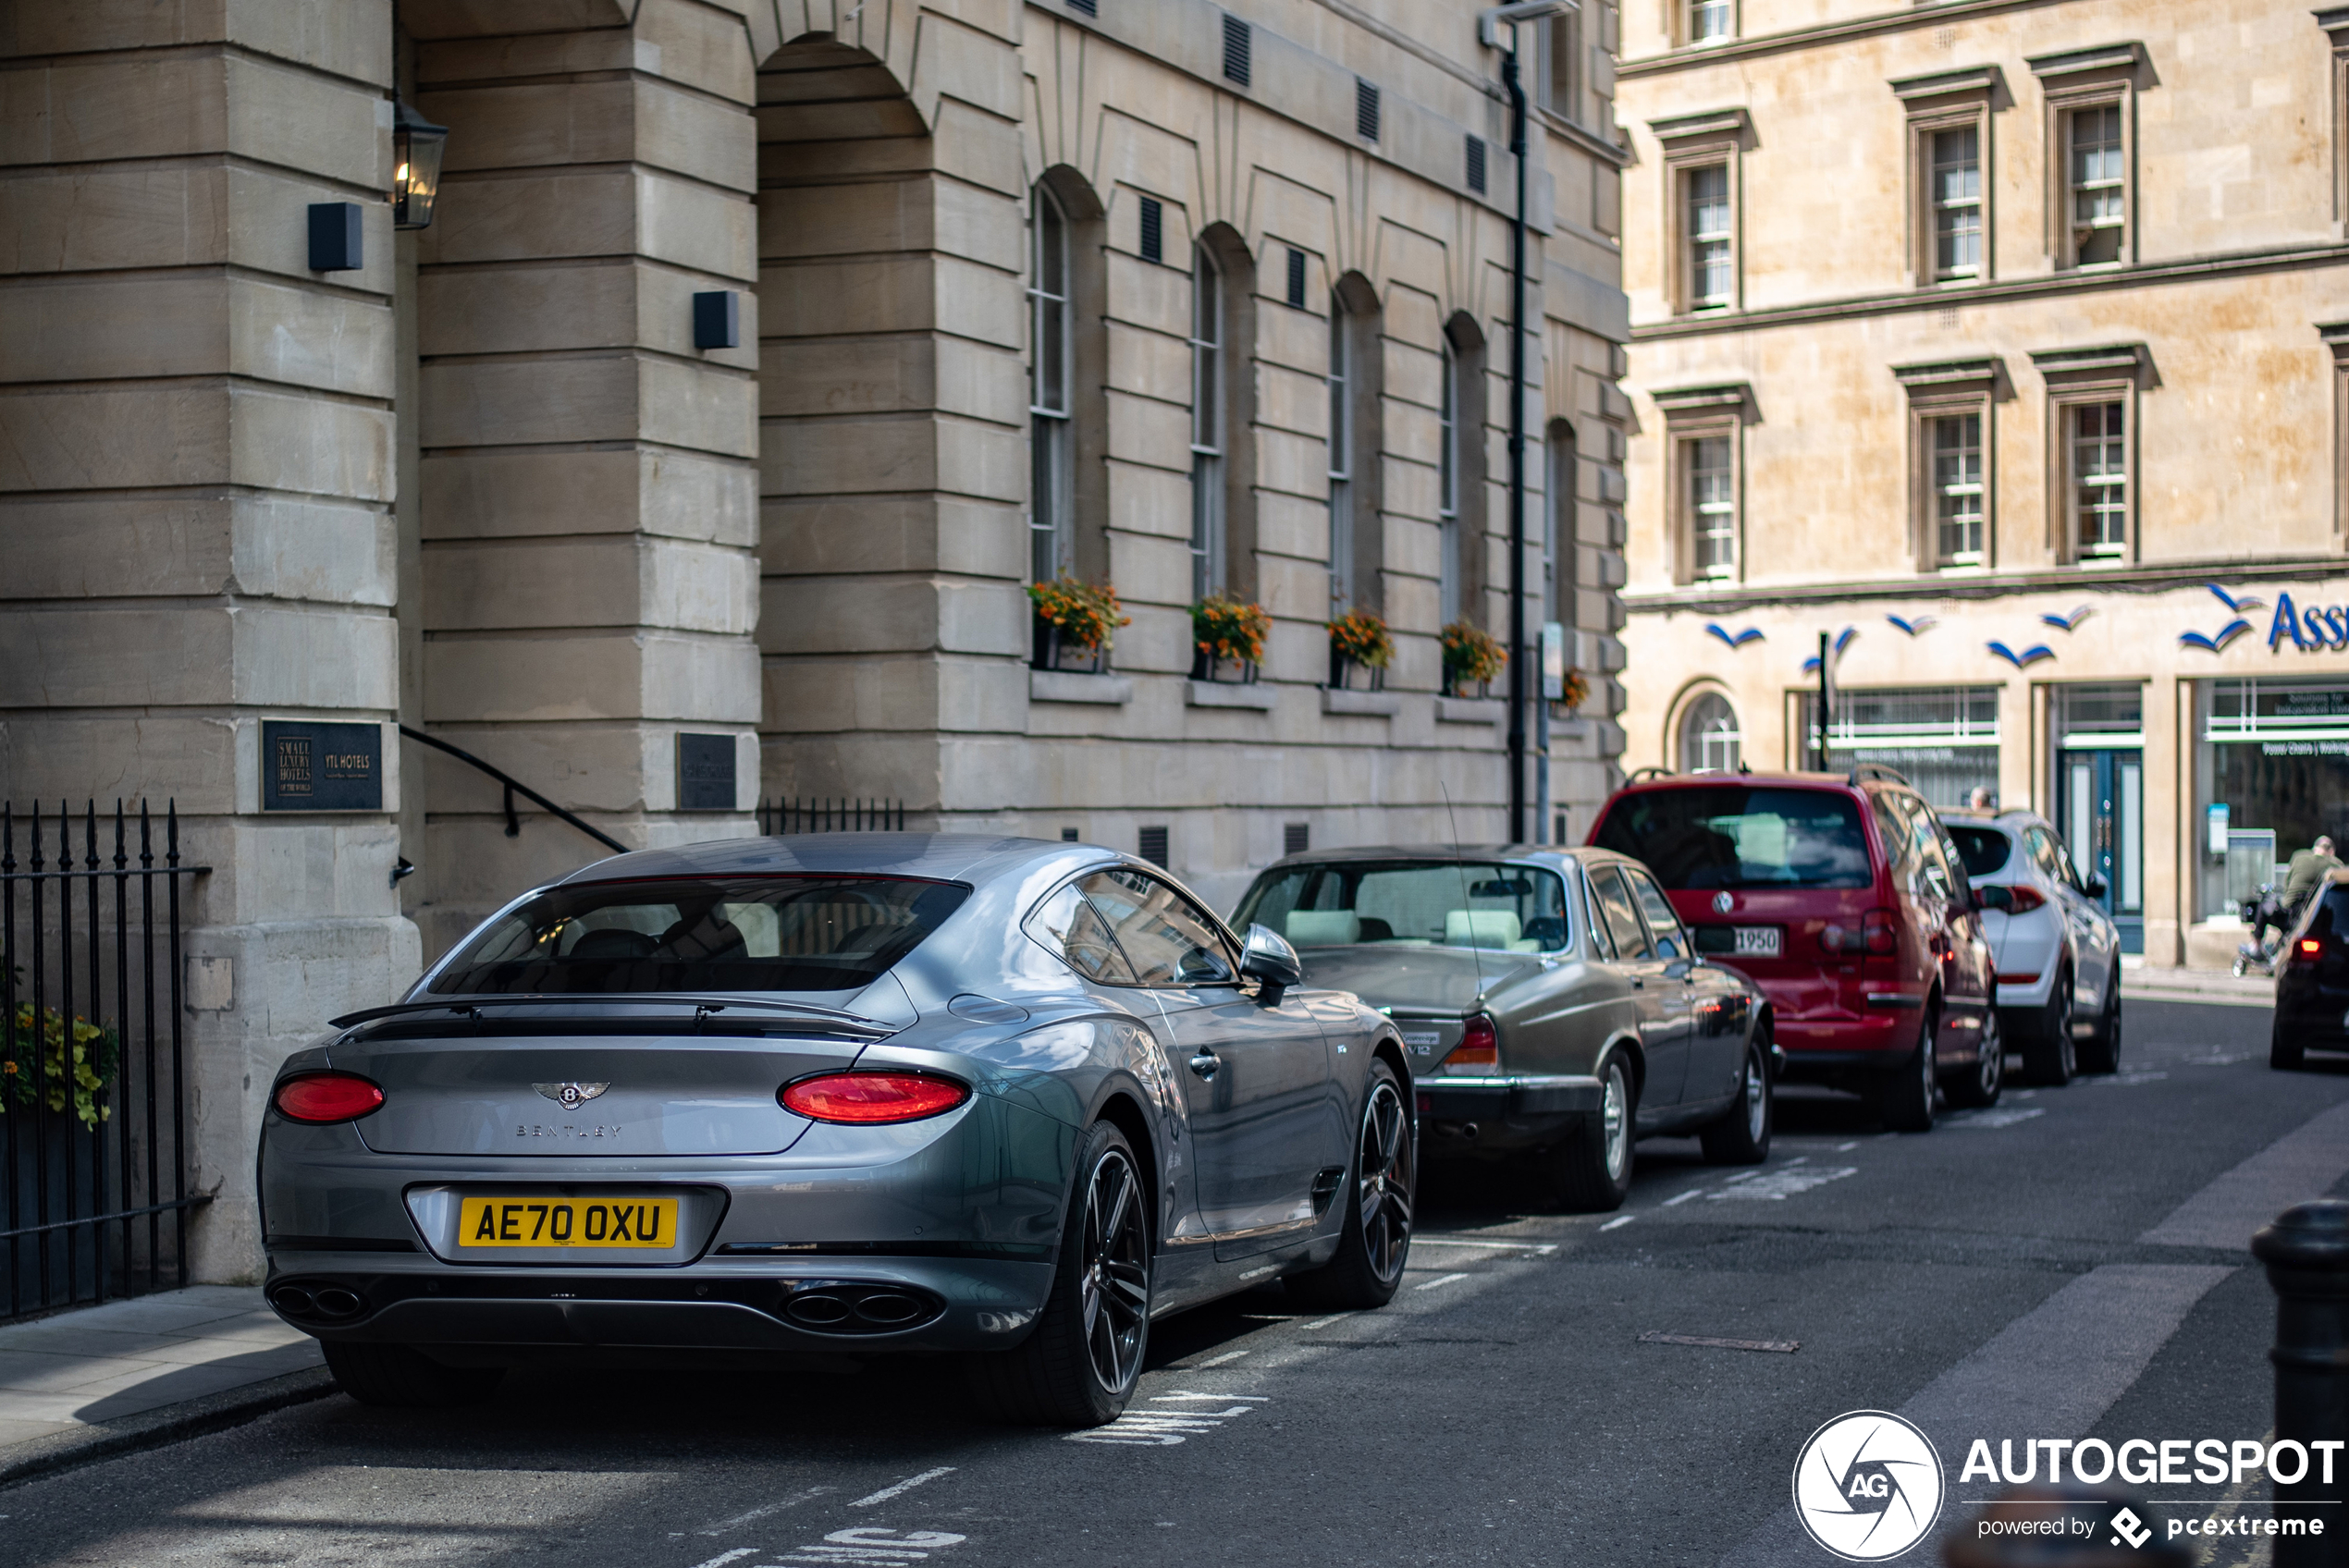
(1742, 1137)
(1591, 1172)
(1981, 1085)
(1376, 1237)
(1078, 1365)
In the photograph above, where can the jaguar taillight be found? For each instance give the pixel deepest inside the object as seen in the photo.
(1480, 1047)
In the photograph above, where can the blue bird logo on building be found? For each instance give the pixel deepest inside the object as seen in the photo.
(1917, 625)
(1842, 641)
(1734, 639)
(2069, 623)
(2243, 605)
(2236, 608)
(2024, 659)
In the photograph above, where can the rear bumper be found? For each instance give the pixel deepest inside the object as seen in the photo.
(1820, 1046)
(718, 1305)
(1500, 1115)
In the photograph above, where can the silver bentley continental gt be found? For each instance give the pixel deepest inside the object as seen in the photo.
(742, 1103)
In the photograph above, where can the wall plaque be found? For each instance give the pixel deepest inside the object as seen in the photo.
(307, 767)
(705, 771)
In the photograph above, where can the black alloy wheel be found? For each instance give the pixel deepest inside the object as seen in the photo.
(1906, 1096)
(2052, 1057)
(1980, 1087)
(2101, 1051)
(1078, 1365)
(1375, 1241)
(1742, 1137)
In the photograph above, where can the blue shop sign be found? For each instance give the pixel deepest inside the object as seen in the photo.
(2312, 629)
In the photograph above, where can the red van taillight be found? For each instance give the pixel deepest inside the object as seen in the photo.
(1875, 934)
(867, 1098)
(321, 1097)
(1479, 1045)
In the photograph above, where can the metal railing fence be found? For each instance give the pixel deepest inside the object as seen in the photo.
(94, 1071)
(827, 814)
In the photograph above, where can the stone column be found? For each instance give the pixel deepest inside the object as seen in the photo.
(195, 478)
(588, 515)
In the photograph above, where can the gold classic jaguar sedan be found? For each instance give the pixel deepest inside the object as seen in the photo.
(1554, 1006)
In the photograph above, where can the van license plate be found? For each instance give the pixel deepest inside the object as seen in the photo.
(1757, 942)
(567, 1222)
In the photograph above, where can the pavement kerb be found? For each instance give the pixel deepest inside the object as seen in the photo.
(155, 1429)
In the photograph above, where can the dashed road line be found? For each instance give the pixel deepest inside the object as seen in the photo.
(907, 1484)
(1682, 1197)
(1779, 1185)
(1227, 1356)
(739, 1520)
(1618, 1220)
(1993, 1120)
(723, 1558)
(1439, 1279)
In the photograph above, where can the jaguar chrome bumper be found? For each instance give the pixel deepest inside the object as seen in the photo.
(1514, 1095)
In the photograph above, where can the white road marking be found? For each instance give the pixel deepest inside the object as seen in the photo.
(1325, 1322)
(1994, 1119)
(1227, 1356)
(2299, 1165)
(1618, 1220)
(907, 1484)
(1683, 1197)
(1783, 1185)
(1439, 1279)
(723, 1558)
(874, 1548)
(1464, 1241)
(739, 1520)
(1845, 1148)
(1164, 1428)
(2127, 1080)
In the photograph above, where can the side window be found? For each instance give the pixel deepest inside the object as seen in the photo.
(1900, 841)
(1620, 912)
(1663, 923)
(2049, 856)
(1069, 926)
(1169, 940)
(1595, 922)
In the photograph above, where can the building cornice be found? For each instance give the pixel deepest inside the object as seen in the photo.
(1719, 323)
(1977, 374)
(2072, 64)
(1992, 586)
(1696, 57)
(1975, 81)
(1733, 121)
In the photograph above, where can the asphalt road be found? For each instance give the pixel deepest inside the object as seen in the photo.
(1994, 1278)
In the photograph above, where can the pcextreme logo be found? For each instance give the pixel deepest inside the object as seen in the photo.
(1868, 1486)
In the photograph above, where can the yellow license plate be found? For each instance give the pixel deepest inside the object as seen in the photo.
(567, 1222)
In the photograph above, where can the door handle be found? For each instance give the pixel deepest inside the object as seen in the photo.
(1205, 1065)
(1639, 985)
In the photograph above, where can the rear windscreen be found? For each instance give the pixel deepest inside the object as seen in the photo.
(1742, 836)
(1984, 849)
(1421, 903)
(713, 934)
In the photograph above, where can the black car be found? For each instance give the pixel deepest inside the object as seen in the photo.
(2312, 979)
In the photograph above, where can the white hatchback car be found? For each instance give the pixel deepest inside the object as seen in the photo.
(2057, 952)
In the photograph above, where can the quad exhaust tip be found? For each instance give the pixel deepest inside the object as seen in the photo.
(845, 1308)
(319, 1304)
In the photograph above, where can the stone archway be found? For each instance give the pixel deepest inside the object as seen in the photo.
(894, 405)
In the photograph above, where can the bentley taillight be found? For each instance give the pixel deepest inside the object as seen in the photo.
(873, 1099)
(322, 1097)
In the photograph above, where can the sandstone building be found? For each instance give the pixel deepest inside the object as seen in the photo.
(758, 356)
(2008, 345)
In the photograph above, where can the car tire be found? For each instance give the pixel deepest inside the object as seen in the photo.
(1979, 1087)
(2052, 1058)
(1742, 1137)
(1078, 1365)
(1375, 1241)
(1591, 1171)
(2283, 1055)
(1905, 1095)
(403, 1377)
(2101, 1051)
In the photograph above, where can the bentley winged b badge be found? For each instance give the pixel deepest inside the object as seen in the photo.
(570, 1096)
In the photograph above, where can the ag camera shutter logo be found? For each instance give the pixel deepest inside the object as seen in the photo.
(1868, 1486)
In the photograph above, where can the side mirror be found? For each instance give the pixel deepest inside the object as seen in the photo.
(1993, 896)
(2095, 888)
(1267, 958)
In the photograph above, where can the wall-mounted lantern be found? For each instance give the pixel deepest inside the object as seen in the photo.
(416, 148)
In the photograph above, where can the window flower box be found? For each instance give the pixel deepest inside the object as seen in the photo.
(1361, 649)
(1075, 625)
(1472, 657)
(1228, 640)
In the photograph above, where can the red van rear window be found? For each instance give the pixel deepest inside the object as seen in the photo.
(1742, 836)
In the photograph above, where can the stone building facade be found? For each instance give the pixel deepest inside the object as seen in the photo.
(1072, 286)
(2002, 343)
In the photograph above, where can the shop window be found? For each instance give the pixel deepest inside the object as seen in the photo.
(1710, 739)
(1944, 739)
(2271, 773)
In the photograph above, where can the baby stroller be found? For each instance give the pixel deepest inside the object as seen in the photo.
(2268, 910)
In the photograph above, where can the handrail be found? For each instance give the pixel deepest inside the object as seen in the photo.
(513, 822)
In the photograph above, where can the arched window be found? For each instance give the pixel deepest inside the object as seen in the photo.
(1051, 510)
(1210, 427)
(1710, 740)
